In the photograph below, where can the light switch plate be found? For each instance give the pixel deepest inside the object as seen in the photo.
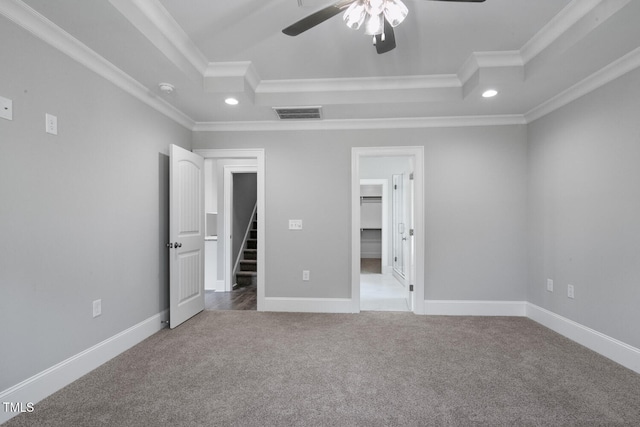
(295, 224)
(51, 125)
(97, 308)
(6, 108)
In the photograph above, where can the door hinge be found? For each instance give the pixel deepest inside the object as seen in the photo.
(395, 187)
(411, 176)
(411, 232)
(395, 259)
(410, 288)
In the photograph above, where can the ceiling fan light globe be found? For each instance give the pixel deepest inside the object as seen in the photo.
(375, 7)
(374, 24)
(355, 15)
(395, 11)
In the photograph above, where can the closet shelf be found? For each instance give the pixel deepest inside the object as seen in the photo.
(371, 198)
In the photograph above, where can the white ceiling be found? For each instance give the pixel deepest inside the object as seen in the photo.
(447, 54)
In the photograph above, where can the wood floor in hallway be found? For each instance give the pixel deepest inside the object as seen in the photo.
(244, 298)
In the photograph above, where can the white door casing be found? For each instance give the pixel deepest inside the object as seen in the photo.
(417, 243)
(259, 155)
(186, 233)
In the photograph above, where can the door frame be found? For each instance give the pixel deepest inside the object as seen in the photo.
(259, 156)
(229, 171)
(417, 155)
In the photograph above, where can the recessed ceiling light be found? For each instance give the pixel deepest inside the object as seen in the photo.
(231, 101)
(490, 93)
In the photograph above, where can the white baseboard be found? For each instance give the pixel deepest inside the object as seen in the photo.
(309, 305)
(49, 381)
(218, 286)
(611, 348)
(474, 308)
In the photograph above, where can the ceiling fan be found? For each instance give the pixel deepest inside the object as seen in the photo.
(379, 17)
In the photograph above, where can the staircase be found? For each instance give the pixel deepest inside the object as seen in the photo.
(247, 273)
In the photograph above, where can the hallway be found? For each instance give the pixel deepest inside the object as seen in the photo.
(243, 298)
(380, 292)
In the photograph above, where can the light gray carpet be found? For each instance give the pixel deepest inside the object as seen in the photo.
(231, 368)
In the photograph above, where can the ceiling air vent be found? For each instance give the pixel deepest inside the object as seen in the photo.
(298, 113)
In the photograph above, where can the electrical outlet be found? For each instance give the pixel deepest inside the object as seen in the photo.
(549, 285)
(570, 291)
(295, 224)
(97, 308)
(6, 108)
(306, 275)
(51, 124)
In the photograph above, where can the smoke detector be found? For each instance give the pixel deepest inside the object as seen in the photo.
(166, 88)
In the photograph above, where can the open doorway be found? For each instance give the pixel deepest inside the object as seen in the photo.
(387, 234)
(234, 191)
(240, 234)
(384, 198)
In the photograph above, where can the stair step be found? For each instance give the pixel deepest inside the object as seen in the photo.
(252, 243)
(250, 254)
(246, 278)
(249, 265)
(253, 234)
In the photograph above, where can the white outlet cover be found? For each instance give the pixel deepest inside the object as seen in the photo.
(550, 285)
(6, 108)
(570, 291)
(295, 224)
(305, 275)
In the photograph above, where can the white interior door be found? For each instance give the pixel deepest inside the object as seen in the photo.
(186, 231)
(399, 226)
(404, 254)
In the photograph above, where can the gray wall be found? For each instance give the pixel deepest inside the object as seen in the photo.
(83, 215)
(584, 177)
(475, 208)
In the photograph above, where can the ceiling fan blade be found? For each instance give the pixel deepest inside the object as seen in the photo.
(316, 18)
(389, 42)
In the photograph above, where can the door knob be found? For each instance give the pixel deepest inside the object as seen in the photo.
(177, 245)
(170, 245)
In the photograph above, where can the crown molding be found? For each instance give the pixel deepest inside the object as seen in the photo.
(478, 61)
(232, 77)
(359, 84)
(434, 88)
(360, 124)
(622, 66)
(44, 29)
(556, 27)
(157, 16)
(153, 20)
